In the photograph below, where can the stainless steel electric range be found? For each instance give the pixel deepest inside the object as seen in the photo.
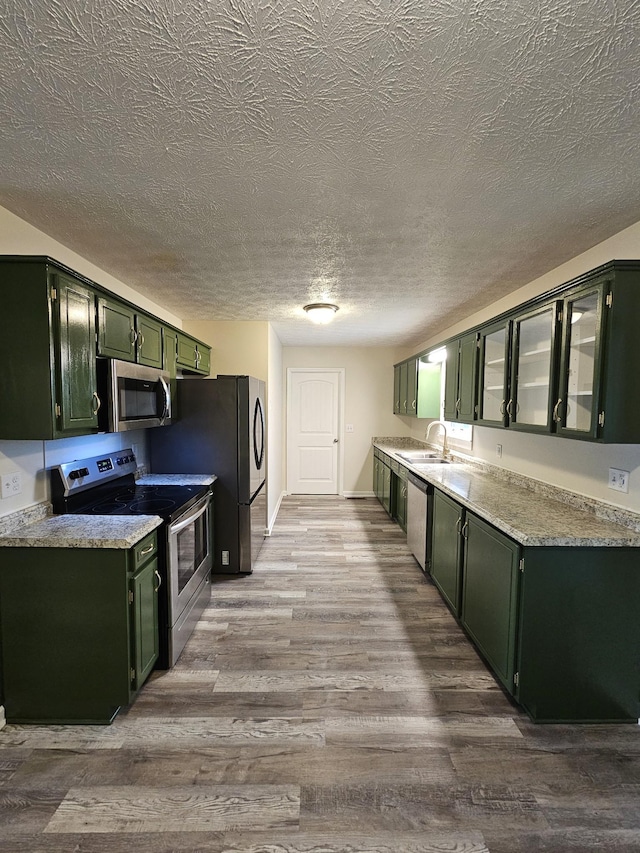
(106, 485)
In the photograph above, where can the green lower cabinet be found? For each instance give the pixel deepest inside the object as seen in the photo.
(490, 595)
(79, 631)
(386, 487)
(144, 621)
(446, 549)
(579, 635)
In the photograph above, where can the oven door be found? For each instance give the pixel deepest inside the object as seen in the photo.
(189, 557)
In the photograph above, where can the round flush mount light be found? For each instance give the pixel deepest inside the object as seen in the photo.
(320, 312)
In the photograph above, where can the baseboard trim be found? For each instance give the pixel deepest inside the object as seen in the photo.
(3, 719)
(358, 494)
(273, 518)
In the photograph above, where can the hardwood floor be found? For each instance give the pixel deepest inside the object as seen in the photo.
(327, 703)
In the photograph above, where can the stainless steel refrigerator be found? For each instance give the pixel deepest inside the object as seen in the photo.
(221, 430)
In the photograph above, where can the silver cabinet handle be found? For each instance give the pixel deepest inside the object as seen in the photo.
(458, 406)
(404, 405)
(140, 338)
(458, 523)
(134, 336)
(397, 404)
(146, 550)
(157, 574)
(413, 405)
(510, 408)
(96, 408)
(556, 417)
(502, 405)
(197, 357)
(465, 530)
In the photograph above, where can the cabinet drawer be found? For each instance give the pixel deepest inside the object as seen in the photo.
(144, 551)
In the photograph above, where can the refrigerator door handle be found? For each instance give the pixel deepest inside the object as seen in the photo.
(258, 438)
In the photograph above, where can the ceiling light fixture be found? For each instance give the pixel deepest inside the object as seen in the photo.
(320, 312)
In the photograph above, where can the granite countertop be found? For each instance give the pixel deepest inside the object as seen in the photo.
(82, 531)
(177, 480)
(531, 518)
(43, 530)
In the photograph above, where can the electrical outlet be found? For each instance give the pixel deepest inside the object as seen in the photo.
(11, 484)
(349, 427)
(225, 558)
(499, 451)
(619, 480)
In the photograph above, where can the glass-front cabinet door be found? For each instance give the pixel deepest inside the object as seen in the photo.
(577, 407)
(532, 379)
(493, 376)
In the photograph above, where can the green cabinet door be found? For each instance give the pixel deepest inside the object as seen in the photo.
(187, 352)
(460, 379)
(446, 549)
(116, 329)
(404, 387)
(490, 595)
(144, 622)
(412, 387)
(75, 345)
(204, 359)
(148, 341)
(396, 389)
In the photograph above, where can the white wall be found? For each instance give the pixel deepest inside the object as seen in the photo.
(368, 402)
(580, 466)
(30, 458)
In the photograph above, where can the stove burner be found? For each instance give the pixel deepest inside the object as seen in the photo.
(150, 506)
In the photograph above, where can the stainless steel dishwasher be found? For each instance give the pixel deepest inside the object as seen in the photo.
(417, 518)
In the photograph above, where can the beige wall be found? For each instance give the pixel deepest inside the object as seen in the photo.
(237, 347)
(368, 402)
(580, 466)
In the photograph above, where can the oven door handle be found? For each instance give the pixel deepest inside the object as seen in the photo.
(201, 508)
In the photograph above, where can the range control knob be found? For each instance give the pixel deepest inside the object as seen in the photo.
(77, 473)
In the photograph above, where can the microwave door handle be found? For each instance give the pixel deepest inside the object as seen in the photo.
(166, 409)
(180, 525)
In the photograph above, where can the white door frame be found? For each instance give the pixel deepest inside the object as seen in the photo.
(341, 373)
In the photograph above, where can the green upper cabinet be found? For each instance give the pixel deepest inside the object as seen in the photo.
(75, 357)
(193, 355)
(533, 374)
(148, 341)
(405, 387)
(116, 329)
(460, 379)
(47, 347)
(126, 334)
(493, 374)
(578, 406)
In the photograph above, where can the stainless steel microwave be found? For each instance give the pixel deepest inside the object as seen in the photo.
(133, 396)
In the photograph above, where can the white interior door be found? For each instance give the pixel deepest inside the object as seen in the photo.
(313, 431)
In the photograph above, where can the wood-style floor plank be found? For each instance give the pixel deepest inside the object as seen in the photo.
(327, 703)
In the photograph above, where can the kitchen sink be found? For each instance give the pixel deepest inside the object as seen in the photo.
(418, 456)
(427, 463)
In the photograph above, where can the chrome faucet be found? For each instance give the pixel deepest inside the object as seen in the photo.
(445, 449)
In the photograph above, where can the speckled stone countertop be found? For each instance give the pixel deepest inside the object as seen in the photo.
(40, 529)
(177, 480)
(82, 531)
(531, 518)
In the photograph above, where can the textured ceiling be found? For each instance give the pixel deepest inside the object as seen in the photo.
(411, 160)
